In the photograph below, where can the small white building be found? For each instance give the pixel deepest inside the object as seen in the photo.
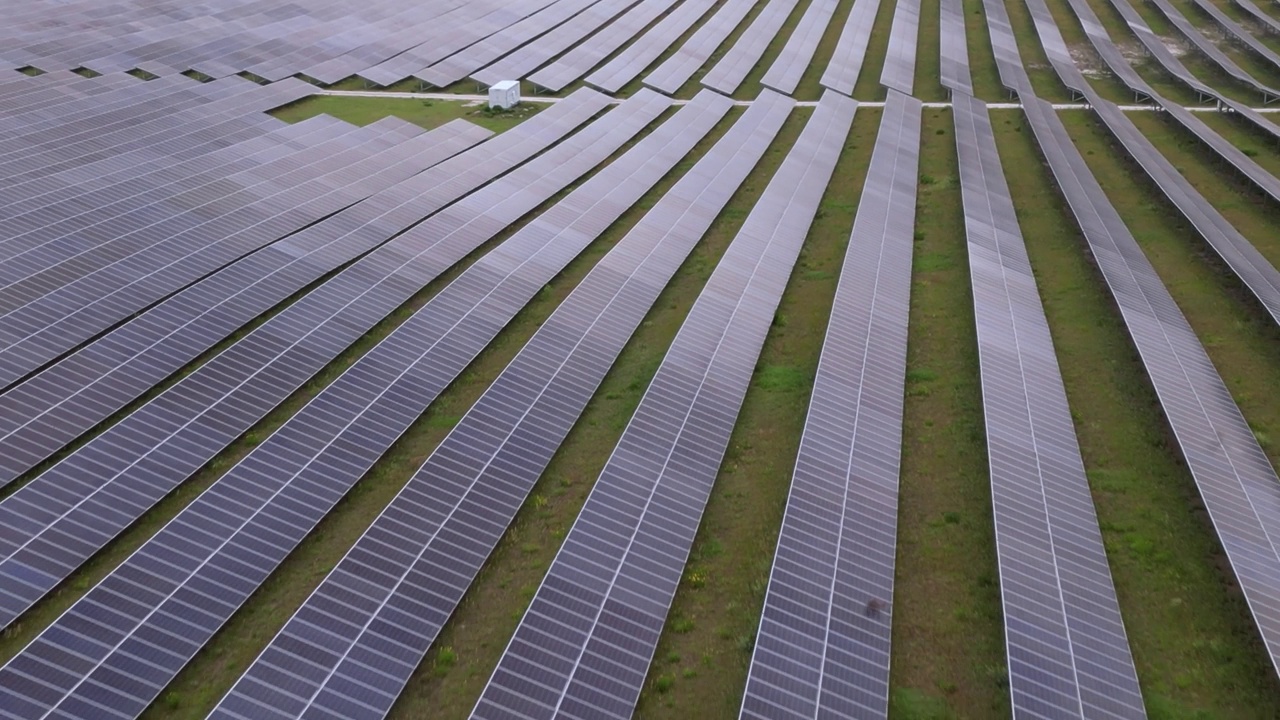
(505, 94)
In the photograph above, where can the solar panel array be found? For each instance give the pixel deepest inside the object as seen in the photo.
(387, 41)
(823, 644)
(627, 65)
(384, 604)
(1236, 481)
(142, 223)
(46, 412)
(727, 74)
(794, 58)
(845, 65)
(55, 294)
(580, 60)
(218, 549)
(56, 521)
(1068, 655)
(585, 643)
(676, 70)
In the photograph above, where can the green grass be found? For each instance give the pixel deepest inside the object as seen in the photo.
(948, 651)
(427, 113)
(724, 583)
(982, 60)
(928, 79)
(1192, 638)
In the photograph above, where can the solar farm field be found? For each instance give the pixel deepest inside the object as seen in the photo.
(770, 359)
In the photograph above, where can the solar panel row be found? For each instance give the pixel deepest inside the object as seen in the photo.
(899, 69)
(384, 604)
(845, 65)
(525, 60)
(627, 65)
(585, 643)
(86, 499)
(953, 50)
(1235, 479)
(787, 69)
(192, 575)
(1068, 655)
(823, 645)
(579, 61)
(53, 408)
(727, 74)
(676, 70)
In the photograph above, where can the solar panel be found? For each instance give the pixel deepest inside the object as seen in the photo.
(627, 65)
(787, 69)
(846, 61)
(899, 68)
(953, 51)
(1068, 655)
(436, 534)
(231, 537)
(747, 50)
(326, 40)
(822, 649)
(584, 645)
(676, 70)
(107, 483)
